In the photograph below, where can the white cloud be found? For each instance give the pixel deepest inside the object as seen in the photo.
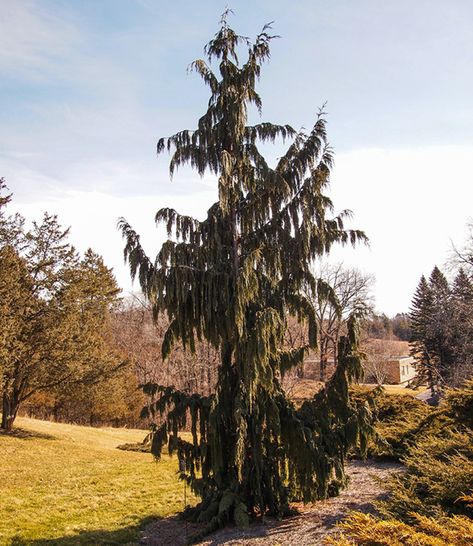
(411, 203)
(93, 217)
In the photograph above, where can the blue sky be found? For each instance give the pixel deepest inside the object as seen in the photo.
(87, 87)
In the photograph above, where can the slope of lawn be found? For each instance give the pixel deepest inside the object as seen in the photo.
(68, 485)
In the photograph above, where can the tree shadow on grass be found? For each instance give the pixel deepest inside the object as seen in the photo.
(23, 434)
(126, 536)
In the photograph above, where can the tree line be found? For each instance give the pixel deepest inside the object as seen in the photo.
(55, 312)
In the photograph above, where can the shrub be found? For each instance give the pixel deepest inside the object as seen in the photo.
(367, 530)
(459, 404)
(399, 418)
(439, 472)
(431, 504)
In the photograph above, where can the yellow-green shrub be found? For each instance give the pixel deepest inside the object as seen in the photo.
(459, 404)
(366, 530)
(439, 471)
(431, 503)
(439, 465)
(399, 418)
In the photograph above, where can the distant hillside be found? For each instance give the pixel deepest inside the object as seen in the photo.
(390, 347)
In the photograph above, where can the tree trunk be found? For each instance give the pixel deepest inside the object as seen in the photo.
(10, 405)
(323, 361)
(323, 366)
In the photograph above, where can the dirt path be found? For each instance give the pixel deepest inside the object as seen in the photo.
(306, 529)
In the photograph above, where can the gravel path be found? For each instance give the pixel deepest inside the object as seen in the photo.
(308, 528)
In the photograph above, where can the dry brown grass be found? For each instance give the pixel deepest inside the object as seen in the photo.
(303, 389)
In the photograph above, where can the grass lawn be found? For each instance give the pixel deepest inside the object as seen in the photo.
(68, 485)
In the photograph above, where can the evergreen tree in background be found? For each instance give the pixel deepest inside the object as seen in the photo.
(54, 312)
(462, 290)
(440, 288)
(462, 326)
(233, 279)
(441, 328)
(433, 327)
(420, 316)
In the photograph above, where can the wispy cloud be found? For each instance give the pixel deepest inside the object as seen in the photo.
(93, 217)
(32, 40)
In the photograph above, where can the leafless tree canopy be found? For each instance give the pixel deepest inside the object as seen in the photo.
(463, 256)
(352, 289)
(140, 337)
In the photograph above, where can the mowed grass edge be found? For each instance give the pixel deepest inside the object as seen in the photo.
(68, 485)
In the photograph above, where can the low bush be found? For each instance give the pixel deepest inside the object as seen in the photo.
(431, 503)
(439, 463)
(399, 419)
(439, 472)
(367, 530)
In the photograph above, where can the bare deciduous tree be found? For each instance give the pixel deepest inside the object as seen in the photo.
(140, 337)
(352, 289)
(462, 257)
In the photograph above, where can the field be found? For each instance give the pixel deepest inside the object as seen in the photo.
(302, 389)
(399, 389)
(68, 485)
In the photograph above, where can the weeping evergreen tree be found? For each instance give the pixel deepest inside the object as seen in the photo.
(234, 279)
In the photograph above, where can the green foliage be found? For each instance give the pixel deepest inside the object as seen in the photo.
(439, 470)
(459, 404)
(55, 307)
(399, 419)
(420, 317)
(439, 465)
(441, 321)
(234, 279)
